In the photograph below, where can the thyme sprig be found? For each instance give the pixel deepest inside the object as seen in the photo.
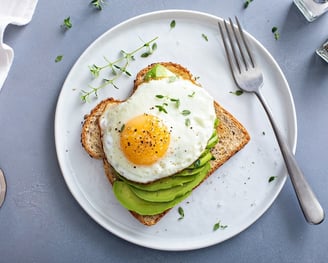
(117, 68)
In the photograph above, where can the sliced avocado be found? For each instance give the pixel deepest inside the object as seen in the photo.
(189, 172)
(213, 141)
(202, 160)
(131, 202)
(158, 71)
(163, 183)
(216, 123)
(170, 194)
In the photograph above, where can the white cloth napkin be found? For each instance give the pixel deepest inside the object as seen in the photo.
(17, 12)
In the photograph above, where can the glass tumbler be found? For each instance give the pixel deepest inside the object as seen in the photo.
(312, 9)
(323, 51)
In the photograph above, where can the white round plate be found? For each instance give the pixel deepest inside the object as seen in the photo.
(239, 192)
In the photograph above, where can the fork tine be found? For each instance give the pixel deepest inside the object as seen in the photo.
(232, 46)
(238, 43)
(241, 32)
(225, 44)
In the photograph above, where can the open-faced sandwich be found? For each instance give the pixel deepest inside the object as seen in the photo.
(162, 142)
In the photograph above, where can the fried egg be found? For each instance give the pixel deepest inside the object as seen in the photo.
(160, 130)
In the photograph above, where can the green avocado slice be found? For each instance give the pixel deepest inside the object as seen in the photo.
(213, 141)
(132, 202)
(158, 71)
(205, 158)
(163, 183)
(189, 172)
(167, 195)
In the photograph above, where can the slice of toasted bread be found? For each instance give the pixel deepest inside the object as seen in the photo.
(91, 135)
(232, 135)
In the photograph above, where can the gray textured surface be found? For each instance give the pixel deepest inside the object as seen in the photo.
(41, 221)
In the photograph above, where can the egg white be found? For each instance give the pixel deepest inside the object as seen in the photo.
(188, 137)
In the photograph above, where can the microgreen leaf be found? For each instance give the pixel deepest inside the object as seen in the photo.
(186, 112)
(67, 24)
(181, 213)
(247, 2)
(218, 225)
(145, 55)
(237, 92)
(98, 4)
(58, 58)
(192, 94)
(177, 102)
(205, 37)
(172, 24)
(161, 108)
(272, 178)
(275, 32)
(154, 46)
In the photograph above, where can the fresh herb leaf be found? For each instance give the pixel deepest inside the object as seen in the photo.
(145, 55)
(275, 32)
(98, 4)
(161, 108)
(172, 24)
(177, 102)
(67, 24)
(187, 122)
(186, 112)
(122, 128)
(237, 92)
(272, 178)
(246, 3)
(58, 58)
(205, 37)
(154, 46)
(181, 213)
(192, 94)
(150, 49)
(218, 225)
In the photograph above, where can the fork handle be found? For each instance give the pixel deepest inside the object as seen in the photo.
(311, 208)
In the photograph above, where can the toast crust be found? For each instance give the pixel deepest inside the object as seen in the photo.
(232, 134)
(91, 133)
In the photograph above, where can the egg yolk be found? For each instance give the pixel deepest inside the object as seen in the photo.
(144, 139)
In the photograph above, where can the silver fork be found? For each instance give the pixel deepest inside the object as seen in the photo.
(248, 77)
